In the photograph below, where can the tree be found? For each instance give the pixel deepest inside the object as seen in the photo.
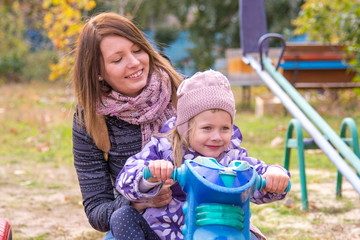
(63, 21)
(213, 25)
(13, 48)
(279, 15)
(164, 36)
(332, 22)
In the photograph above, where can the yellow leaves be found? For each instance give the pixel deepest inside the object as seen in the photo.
(13, 48)
(62, 68)
(16, 5)
(46, 4)
(63, 21)
(75, 4)
(50, 3)
(48, 19)
(74, 29)
(90, 5)
(327, 21)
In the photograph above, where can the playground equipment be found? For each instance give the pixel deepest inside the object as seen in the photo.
(301, 144)
(218, 198)
(353, 141)
(254, 41)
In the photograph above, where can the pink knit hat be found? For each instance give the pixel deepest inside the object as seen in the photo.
(203, 91)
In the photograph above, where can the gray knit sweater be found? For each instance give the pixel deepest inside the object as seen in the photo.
(96, 175)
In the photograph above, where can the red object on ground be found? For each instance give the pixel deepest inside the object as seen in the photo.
(5, 230)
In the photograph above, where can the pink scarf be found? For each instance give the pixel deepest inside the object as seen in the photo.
(150, 109)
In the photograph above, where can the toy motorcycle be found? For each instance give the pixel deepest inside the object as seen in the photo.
(218, 198)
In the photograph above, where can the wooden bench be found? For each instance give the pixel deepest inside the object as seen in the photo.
(317, 66)
(241, 74)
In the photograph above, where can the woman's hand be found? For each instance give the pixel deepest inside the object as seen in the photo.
(161, 170)
(162, 199)
(276, 180)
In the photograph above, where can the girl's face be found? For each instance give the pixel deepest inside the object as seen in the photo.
(126, 65)
(210, 132)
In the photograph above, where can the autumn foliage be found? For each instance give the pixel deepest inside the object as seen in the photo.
(63, 21)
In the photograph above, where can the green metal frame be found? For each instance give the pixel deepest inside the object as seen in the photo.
(301, 144)
(353, 141)
(314, 116)
(298, 143)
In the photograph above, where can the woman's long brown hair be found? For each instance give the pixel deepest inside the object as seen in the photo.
(89, 63)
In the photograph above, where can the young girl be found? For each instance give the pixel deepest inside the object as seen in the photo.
(203, 127)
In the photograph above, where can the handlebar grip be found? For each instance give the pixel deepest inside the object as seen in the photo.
(263, 185)
(147, 174)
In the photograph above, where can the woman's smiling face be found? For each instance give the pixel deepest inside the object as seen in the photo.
(126, 65)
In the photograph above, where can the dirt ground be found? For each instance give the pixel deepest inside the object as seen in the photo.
(36, 213)
(328, 218)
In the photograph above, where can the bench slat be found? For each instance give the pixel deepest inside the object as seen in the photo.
(289, 65)
(327, 85)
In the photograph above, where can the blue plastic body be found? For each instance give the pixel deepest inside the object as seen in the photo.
(203, 186)
(218, 198)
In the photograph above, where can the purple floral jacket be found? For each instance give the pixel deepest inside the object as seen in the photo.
(168, 220)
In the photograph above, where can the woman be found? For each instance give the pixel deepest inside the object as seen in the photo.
(125, 92)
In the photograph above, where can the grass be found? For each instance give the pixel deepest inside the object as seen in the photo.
(257, 138)
(36, 171)
(36, 123)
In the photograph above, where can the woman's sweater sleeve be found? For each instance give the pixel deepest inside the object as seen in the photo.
(94, 179)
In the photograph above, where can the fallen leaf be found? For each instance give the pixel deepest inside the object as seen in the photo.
(312, 206)
(13, 131)
(19, 172)
(276, 141)
(43, 147)
(280, 129)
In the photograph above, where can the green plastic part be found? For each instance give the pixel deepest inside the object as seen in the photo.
(221, 215)
(227, 222)
(218, 208)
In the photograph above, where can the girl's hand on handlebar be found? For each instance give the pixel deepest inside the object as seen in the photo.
(276, 180)
(161, 171)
